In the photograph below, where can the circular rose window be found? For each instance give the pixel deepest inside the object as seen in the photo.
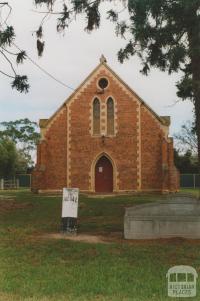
(103, 83)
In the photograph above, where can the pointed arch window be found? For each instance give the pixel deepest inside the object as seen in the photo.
(110, 117)
(96, 116)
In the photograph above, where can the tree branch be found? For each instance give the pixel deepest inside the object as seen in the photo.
(12, 53)
(6, 74)
(10, 10)
(7, 59)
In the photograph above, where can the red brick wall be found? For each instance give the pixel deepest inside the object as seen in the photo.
(151, 151)
(158, 170)
(83, 149)
(174, 175)
(52, 156)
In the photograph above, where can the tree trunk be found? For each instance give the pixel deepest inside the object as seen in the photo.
(197, 115)
(197, 111)
(194, 46)
(196, 91)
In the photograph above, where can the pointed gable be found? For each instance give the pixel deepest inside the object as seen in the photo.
(104, 120)
(164, 121)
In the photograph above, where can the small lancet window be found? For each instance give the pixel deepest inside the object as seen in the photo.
(110, 116)
(96, 116)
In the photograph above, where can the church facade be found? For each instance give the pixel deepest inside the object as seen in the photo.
(104, 139)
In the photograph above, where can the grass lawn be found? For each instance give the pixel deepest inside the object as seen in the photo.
(36, 268)
(196, 191)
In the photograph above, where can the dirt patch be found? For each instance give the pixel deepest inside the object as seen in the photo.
(117, 237)
(9, 204)
(93, 239)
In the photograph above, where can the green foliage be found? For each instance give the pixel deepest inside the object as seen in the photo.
(7, 37)
(21, 130)
(93, 15)
(20, 83)
(22, 163)
(121, 29)
(62, 21)
(12, 160)
(8, 158)
(40, 47)
(21, 56)
(87, 7)
(39, 32)
(155, 30)
(186, 138)
(23, 133)
(158, 32)
(185, 89)
(186, 163)
(163, 33)
(49, 3)
(40, 43)
(112, 15)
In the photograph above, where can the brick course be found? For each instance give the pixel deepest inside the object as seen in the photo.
(140, 151)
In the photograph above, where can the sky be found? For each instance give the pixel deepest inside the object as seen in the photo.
(70, 57)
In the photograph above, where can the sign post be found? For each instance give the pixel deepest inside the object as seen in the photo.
(70, 210)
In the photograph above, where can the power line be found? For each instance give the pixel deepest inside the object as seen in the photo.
(30, 59)
(44, 71)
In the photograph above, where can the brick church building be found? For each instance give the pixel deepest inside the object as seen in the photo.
(105, 138)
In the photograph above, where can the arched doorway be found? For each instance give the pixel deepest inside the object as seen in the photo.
(104, 175)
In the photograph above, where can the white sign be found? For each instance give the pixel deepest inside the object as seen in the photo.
(182, 281)
(70, 202)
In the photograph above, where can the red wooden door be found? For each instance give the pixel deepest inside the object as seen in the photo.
(103, 175)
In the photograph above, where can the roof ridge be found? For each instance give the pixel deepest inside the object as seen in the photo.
(104, 63)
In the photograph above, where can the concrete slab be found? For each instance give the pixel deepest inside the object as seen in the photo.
(173, 217)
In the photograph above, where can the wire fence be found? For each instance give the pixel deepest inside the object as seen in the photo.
(23, 180)
(190, 180)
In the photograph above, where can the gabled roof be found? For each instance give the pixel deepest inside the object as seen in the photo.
(164, 120)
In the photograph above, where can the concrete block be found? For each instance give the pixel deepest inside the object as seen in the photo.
(175, 217)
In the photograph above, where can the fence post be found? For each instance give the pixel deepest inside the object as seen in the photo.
(194, 177)
(2, 184)
(17, 183)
